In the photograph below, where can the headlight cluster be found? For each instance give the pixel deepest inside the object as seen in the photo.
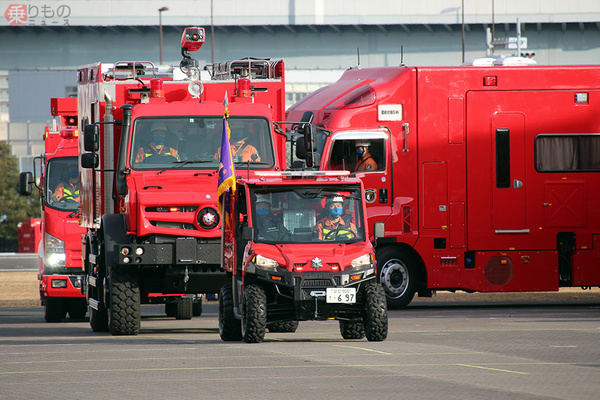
(55, 251)
(361, 262)
(265, 263)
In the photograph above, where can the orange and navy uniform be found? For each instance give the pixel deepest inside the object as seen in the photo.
(67, 191)
(241, 151)
(148, 151)
(326, 226)
(366, 164)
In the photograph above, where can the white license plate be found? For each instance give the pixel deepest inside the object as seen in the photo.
(341, 295)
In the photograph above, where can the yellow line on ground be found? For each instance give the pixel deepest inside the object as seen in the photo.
(362, 348)
(493, 369)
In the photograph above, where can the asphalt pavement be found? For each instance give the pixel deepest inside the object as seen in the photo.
(18, 262)
(458, 351)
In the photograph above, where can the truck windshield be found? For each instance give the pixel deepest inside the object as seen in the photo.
(195, 142)
(304, 214)
(62, 184)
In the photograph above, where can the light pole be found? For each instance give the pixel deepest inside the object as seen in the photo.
(160, 11)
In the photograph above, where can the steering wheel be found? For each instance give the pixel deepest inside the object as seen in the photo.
(336, 231)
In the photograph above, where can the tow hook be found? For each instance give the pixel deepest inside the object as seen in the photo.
(316, 294)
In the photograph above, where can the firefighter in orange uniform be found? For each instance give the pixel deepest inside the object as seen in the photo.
(365, 161)
(68, 191)
(241, 151)
(157, 145)
(333, 225)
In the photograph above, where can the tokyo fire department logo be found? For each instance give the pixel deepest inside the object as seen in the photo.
(317, 263)
(370, 195)
(208, 219)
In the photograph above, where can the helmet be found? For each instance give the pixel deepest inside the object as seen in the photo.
(337, 198)
(362, 143)
(263, 198)
(159, 126)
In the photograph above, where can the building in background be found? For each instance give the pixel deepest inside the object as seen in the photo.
(42, 42)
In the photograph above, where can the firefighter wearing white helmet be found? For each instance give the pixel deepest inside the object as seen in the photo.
(333, 226)
(365, 162)
(269, 227)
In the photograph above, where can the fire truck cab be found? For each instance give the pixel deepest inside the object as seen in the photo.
(149, 156)
(61, 275)
(487, 178)
(296, 247)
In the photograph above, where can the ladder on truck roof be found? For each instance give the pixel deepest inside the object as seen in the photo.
(252, 68)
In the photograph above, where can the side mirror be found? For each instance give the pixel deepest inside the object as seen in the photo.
(309, 137)
(248, 233)
(313, 160)
(91, 137)
(25, 183)
(90, 160)
(379, 230)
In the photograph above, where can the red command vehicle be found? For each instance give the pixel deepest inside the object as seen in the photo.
(150, 155)
(487, 178)
(28, 235)
(296, 247)
(61, 274)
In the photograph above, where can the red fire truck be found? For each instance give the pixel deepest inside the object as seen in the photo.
(150, 154)
(296, 247)
(60, 273)
(487, 178)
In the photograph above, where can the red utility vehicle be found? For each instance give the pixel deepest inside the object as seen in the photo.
(61, 275)
(290, 257)
(150, 154)
(29, 232)
(487, 178)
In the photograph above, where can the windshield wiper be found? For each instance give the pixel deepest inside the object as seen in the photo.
(179, 164)
(251, 162)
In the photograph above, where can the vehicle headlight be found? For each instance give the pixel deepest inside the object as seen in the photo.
(265, 263)
(55, 251)
(361, 262)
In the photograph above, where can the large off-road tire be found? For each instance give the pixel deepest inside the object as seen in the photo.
(124, 306)
(184, 308)
(352, 329)
(254, 314)
(77, 308)
(397, 275)
(55, 310)
(230, 328)
(287, 326)
(376, 315)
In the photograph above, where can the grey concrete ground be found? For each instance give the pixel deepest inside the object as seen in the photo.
(453, 350)
(18, 262)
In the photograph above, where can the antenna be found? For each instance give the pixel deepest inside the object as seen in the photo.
(401, 56)
(358, 56)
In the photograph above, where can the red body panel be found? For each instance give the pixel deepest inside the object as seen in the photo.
(446, 202)
(60, 224)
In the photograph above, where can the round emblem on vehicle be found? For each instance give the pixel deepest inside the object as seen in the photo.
(370, 195)
(208, 218)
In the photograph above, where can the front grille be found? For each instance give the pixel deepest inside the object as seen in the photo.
(317, 282)
(173, 225)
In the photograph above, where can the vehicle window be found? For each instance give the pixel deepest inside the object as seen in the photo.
(195, 142)
(567, 153)
(303, 214)
(358, 155)
(62, 184)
